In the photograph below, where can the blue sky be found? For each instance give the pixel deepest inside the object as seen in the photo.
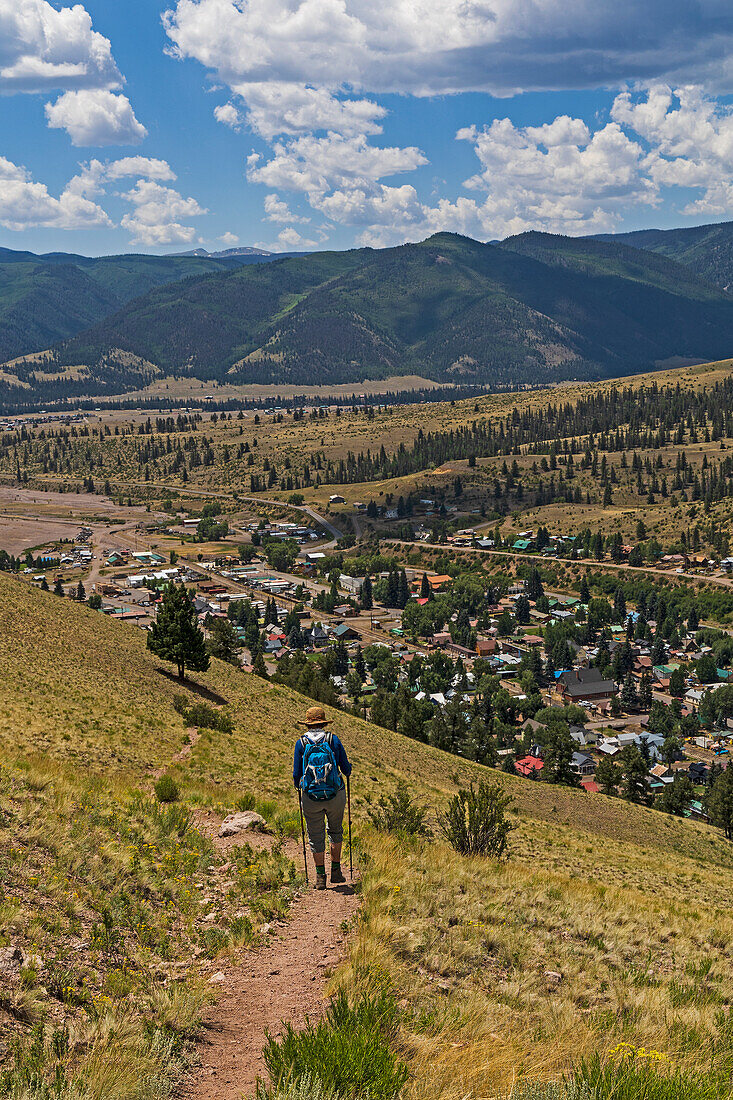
(136, 125)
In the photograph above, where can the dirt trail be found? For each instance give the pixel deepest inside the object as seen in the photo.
(283, 980)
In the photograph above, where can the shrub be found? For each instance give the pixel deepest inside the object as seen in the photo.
(551, 1091)
(166, 789)
(305, 1089)
(399, 813)
(245, 802)
(475, 822)
(202, 715)
(347, 1052)
(638, 1076)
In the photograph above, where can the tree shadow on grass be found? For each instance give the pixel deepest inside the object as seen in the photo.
(188, 684)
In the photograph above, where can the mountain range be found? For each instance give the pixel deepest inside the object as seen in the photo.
(535, 307)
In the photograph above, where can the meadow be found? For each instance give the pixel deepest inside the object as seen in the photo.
(607, 924)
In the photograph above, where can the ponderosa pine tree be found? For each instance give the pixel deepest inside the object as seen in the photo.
(367, 599)
(720, 802)
(175, 635)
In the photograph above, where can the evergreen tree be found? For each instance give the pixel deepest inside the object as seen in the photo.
(635, 783)
(720, 802)
(677, 682)
(676, 796)
(367, 598)
(258, 666)
(359, 664)
(645, 690)
(403, 590)
(628, 692)
(608, 776)
(393, 589)
(44, 585)
(557, 753)
(223, 642)
(424, 587)
(533, 585)
(584, 590)
(176, 635)
(81, 592)
(58, 588)
(521, 610)
(340, 659)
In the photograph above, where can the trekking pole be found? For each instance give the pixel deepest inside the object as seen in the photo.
(302, 833)
(348, 800)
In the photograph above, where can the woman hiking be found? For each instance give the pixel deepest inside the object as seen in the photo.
(318, 764)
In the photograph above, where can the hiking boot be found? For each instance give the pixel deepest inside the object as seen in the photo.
(320, 883)
(337, 875)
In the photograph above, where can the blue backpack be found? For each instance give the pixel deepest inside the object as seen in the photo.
(321, 779)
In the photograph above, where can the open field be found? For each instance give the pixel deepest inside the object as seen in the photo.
(193, 389)
(250, 446)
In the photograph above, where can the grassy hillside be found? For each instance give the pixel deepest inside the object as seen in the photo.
(537, 308)
(706, 249)
(608, 923)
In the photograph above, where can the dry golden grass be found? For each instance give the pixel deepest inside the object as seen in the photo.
(516, 970)
(625, 904)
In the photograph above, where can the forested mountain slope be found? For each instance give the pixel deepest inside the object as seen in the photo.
(706, 249)
(44, 299)
(537, 308)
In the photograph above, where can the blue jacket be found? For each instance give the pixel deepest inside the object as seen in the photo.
(339, 752)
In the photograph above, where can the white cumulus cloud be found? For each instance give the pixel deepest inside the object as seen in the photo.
(228, 115)
(157, 213)
(428, 47)
(317, 165)
(27, 204)
(278, 211)
(44, 47)
(96, 117)
(690, 137)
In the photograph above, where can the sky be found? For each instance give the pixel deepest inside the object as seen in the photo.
(164, 125)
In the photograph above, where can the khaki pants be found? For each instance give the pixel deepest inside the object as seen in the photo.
(318, 813)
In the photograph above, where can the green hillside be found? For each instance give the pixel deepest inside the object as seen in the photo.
(608, 923)
(706, 249)
(536, 308)
(44, 299)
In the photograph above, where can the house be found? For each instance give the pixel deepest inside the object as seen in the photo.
(529, 766)
(485, 646)
(439, 581)
(583, 764)
(352, 585)
(336, 499)
(441, 639)
(317, 635)
(585, 683)
(582, 736)
(590, 786)
(521, 544)
(345, 633)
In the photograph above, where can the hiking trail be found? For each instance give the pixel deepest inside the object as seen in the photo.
(282, 980)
